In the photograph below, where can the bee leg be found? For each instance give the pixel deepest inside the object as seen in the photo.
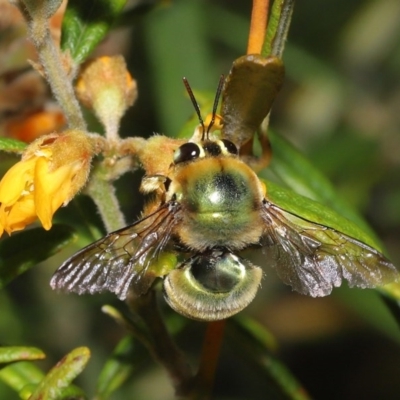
(246, 151)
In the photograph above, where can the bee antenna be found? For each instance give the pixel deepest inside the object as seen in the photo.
(216, 101)
(195, 104)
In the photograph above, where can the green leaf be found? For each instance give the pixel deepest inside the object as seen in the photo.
(318, 201)
(380, 311)
(12, 145)
(170, 63)
(296, 172)
(278, 27)
(117, 369)
(283, 377)
(256, 342)
(37, 245)
(11, 354)
(316, 212)
(86, 23)
(22, 376)
(54, 384)
(255, 331)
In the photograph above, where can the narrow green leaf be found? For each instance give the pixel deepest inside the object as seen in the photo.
(10, 354)
(37, 245)
(12, 145)
(255, 342)
(284, 378)
(297, 172)
(170, 63)
(316, 212)
(86, 23)
(61, 375)
(379, 310)
(22, 376)
(278, 27)
(117, 369)
(71, 392)
(255, 331)
(319, 213)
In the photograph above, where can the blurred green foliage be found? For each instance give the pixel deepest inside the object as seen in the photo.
(339, 105)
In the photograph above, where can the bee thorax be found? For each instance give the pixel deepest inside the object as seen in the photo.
(220, 200)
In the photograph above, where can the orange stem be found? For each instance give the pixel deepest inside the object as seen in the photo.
(258, 24)
(209, 357)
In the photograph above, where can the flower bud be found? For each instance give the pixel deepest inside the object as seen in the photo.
(106, 86)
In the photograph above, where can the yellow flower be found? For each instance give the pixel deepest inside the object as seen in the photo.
(52, 170)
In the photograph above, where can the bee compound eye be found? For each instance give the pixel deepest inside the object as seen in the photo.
(186, 152)
(230, 146)
(210, 287)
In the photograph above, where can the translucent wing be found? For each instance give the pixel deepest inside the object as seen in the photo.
(119, 259)
(313, 258)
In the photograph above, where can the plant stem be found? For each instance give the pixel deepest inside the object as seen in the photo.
(258, 23)
(103, 194)
(60, 83)
(278, 27)
(204, 380)
(163, 348)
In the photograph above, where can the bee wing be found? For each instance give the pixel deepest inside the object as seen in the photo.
(313, 258)
(123, 256)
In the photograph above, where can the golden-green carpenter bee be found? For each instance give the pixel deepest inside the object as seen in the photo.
(208, 206)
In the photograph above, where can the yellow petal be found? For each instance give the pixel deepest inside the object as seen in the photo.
(1, 224)
(3, 216)
(16, 180)
(51, 189)
(22, 213)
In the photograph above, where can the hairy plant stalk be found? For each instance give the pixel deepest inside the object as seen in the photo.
(163, 348)
(60, 83)
(102, 192)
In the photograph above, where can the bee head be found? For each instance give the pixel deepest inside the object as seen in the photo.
(191, 151)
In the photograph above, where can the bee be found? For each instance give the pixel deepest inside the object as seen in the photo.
(208, 208)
